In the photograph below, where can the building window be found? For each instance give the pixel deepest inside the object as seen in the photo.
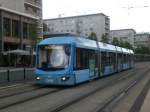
(7, 27)
(35, 10)
(32, 28)
(15, 28)
(86, 34)
(26, 8)
(25, 30)
(91, 29)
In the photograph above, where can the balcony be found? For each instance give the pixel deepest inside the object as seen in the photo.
(34, 4)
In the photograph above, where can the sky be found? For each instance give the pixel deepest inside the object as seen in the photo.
(123, 14)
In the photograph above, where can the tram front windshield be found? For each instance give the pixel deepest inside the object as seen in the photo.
(53, 57)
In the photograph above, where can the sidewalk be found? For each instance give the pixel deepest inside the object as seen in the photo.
(146, 104)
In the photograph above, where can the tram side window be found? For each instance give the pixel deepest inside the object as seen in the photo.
(106, 60)
(119, 57)
(82, 57)
(124, 58)
(93, 55)
(112, 58)
(128, 58)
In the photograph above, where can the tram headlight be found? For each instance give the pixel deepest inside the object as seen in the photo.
(64, 78)
(38, 78)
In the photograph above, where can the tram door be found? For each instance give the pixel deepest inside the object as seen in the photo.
(92, 63)
(104, 61)
(119, 61)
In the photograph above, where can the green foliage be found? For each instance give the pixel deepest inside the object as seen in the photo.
(45, 27)
(115, 41)
(93, 36)
(127, 45)
(121, 43)
(33, 34)
(142, 50)
(105, 38)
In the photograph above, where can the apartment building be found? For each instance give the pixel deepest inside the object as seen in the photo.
(20, 28)
(20, 23)
(142, 39)
(124, 35)
(81, 25)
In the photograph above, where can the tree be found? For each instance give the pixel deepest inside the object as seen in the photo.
(127, 45)
(121, 43)
(142, 50)
(105, 38)
(45, 27)
(93, 36)
(115, 41)
(33, 30)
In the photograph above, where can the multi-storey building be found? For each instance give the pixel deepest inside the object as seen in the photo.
(79, 25)
(142, 39)
(20, 24)
(124, 35)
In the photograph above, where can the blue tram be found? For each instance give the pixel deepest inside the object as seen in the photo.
(70, 60)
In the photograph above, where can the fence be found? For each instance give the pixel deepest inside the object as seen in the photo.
(17, 74)
(141, 57)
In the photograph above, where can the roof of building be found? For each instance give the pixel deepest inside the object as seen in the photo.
(18, 13)
(76, 16)
(83, 43)
(146, 33)
(123, 30)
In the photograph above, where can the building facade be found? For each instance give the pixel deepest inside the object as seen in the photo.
(20, 24)
(142, 39)
(124, 35)
(79, 25)
(18, 21)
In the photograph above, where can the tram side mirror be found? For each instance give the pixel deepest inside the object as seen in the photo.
(44, 64)
(67, 50)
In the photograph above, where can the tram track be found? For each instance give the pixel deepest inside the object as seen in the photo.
(63, 106)
(124, 75)
(4, 94)
(66, 105)
(18, 88)
(8, 91)
(12, 102)
(21, 98)
(17, 85)
(119, 95)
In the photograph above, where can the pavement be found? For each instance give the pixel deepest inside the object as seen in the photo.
(146, 104)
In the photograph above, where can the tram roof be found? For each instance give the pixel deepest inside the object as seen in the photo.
(119, 49)
(83, 43)
(131, 51)
(125, 51)
(78, 41)
(107, 47)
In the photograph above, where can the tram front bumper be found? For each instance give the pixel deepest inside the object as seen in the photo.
(59, 80)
